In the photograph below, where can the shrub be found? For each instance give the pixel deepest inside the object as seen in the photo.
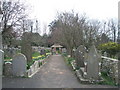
(29, 64)
(47, 51)
(111, 48)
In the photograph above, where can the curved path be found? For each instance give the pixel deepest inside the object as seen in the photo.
(54, 74)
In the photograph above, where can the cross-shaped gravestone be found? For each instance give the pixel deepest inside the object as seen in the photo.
(93, 66)
(79, 56)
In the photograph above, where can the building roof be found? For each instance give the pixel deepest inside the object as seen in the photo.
(56, 45)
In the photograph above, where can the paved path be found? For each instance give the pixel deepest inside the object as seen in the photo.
(54, 74)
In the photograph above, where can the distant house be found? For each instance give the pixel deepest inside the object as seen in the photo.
(56, 48)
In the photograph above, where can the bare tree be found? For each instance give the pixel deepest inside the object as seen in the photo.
(68, 30)
(109, 28)
(72, 30)
(13, 14)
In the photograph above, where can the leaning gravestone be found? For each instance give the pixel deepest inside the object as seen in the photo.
(19, 65)
(93, 60)
(79, 56)
(26, 48)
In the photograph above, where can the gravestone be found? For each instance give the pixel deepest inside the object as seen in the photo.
(8, 69)
(79, 56)
(1, 47)
(10, 52)
(64, 50)
(105, 54)
(93, 64)
(26, 48)
(1, 61)
(1, 66)
(19, 63)
(42, 52)
(104, 38)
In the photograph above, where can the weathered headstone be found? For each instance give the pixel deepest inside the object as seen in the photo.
(104, 38)
(8, 69)
(10, 52)
(79, 56)
(64, 50)
(105, 54)
(93, 64)
(1, 61)
(1, 66)
(19, 63)
(1, 47)
(26, 48)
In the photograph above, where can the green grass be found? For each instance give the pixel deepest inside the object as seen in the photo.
(64, 54)
(18, 51)
(47, 51)
(35, 54)
(107, 80)
(7, 58)
(29, 64)
(68, 59)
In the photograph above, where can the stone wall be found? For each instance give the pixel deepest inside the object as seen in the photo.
(110, 66)
(36, 66)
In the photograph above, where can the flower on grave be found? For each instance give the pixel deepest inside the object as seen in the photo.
(33, 57)
(39, 56)
(47, 53)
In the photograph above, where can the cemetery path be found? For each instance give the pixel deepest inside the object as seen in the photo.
(54, 74)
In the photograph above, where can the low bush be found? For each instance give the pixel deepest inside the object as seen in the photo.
(107, 80)
(111, 48)
(30, 63)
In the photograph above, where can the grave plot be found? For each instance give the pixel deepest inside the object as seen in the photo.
(88, 63)
(97, 69)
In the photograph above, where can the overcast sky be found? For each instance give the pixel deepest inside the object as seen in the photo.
(45, 10)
